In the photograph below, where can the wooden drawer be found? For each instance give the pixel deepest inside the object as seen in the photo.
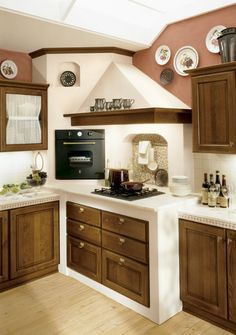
(125, 246)
(84, 258)
(84, 231)
(125, 225)
(84, 214)
(125, 276)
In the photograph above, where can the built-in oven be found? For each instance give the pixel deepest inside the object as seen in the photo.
(80, 154)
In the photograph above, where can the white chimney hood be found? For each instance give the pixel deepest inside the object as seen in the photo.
(152, 104)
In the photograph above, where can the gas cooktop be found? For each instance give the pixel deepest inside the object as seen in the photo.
(129, 195)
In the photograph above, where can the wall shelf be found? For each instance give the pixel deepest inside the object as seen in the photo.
(132, 116)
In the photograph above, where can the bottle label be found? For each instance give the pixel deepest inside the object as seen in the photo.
(211, 199)
(204, 196)
(223, 202)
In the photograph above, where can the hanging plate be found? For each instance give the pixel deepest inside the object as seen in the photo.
(68, 78)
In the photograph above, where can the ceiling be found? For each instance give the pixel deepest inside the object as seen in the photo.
(29, 25)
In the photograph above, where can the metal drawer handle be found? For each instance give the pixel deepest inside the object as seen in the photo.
(81, 245)
(219, 239)
(81, 210)
(81, 227)
(121, 241)
(121, 261)
(121, 221)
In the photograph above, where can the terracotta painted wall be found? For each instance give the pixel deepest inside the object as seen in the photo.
(23, 62)
(191, 32)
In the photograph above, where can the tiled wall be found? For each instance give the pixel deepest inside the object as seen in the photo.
(209, 163)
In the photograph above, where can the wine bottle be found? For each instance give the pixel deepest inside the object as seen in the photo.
(212, 192)
(224, 201)
(218, 187)
(205, 187)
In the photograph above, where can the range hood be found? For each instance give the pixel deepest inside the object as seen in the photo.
(153, 103)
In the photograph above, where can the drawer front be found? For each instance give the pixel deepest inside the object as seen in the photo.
(125, 276)
(125, 225)
(84, 258)
(84, 231)
(125, 246)
(84, 214)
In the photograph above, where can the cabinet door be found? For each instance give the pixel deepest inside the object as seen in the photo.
(84, 257)
(231, 266)
(3, 246)
(203, 267)
(23, 116)
(126, 276)
(214, 113)
(34, 238)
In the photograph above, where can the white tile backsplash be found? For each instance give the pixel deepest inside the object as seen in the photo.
(209, 163)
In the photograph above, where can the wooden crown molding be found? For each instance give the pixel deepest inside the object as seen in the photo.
(46, 51)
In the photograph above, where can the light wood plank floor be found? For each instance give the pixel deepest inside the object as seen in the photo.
(57, 304)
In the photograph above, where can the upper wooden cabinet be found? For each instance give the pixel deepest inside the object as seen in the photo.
(213, 108)
(23, 120)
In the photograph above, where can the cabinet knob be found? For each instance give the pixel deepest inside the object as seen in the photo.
(121, 221)
(121, 261)
(121, 241)
(231, 144)
(81, 227)
(81, 245)
(81, 210)
(220, 239)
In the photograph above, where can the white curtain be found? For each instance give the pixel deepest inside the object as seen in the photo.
(23, 126)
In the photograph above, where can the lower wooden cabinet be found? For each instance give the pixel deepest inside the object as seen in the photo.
(110, 248)
(125, 276)
(84, 257)
(208, 272)
(34, 238)
(4, 242)
(29, 243)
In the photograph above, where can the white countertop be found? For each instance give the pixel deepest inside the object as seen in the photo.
(152, 203)
(221, 217)
(31, 197)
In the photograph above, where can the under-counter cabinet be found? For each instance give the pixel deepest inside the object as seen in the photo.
(213, 108)
(109, 248)
(23, 117)
(31, 241)
(4, 241)
(208, 272)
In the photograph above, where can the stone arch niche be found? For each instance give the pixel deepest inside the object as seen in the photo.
(160, 146)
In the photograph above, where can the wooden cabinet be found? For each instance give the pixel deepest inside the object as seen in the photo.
(84, 240)
(213, 108)
(4, 243)
(84, 257)
(32, 242)
(34, 238)
(208, 272)
(23, 118)
(125, 276)
(110, 248)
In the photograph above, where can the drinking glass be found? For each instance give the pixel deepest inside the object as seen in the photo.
(229, 194)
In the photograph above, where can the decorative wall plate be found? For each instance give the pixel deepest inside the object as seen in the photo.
(166, 76)
(162, 55)
(68, 78)
(186, 58)
(211, 39)
(8, 69)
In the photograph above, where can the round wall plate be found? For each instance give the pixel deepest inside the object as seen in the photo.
(68, 78)
(8, 69)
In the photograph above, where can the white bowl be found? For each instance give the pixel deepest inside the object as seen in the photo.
(180, 190)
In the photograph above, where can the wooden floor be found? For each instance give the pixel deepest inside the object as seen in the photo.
(61, 305)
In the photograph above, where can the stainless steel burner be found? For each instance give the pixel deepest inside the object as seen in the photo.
(129, 195)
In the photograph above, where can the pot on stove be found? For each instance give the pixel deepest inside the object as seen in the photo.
(117, 177)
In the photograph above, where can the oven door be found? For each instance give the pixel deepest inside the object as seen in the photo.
(80, 159)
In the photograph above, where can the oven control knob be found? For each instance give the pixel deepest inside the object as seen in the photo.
(89, 133)
(79, 133)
